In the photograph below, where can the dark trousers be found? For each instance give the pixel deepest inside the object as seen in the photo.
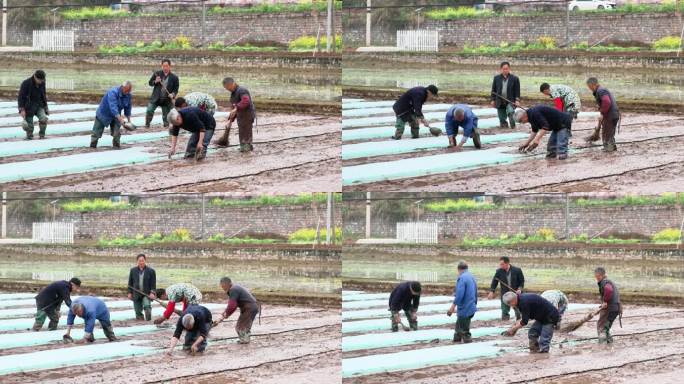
(608, 133)
(603, 325)
(540, 335)
(400, 124)
(505, 114)
(52, 313)
(194, 138)
(141, 302)
(190, 338)
(165, 105)
(243, 326)
(409, 315)
(462, 330)
(245, 121)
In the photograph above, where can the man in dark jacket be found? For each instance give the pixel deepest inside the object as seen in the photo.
(544, 119)
(243, 111)
(545, 316)
(610, 115)
(196, 321)
(49, 301)
(165, 86)
(239, 297)
(611, 307)
(505, 86)
(200, 123)
(144, 279)
(32, 101)
(409, 109)
(511, 276)
(405, 297)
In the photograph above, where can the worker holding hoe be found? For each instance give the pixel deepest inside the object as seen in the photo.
(239, 297)
(142, 284)
(409, 109)
(49, 301)
(184, 293)
(165, 86)
(611, 308)
(610, 115)
(511, 279)
(405, 297)
(115, 101)
(243, 111)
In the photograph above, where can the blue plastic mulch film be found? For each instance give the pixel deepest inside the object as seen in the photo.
(14, 296)
(31, 310)
(423, 309)
(419, 358)
(385, 132)
(27, 339)
(395, 339)
(427, 165)
(66, 357)
(53, 108)
(80, 163)
(383, 302)
(383, 148)
(64, 116)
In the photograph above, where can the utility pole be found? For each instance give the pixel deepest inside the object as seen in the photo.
(4, 208)
(567, 25)
(203, 216)
(204, 28)
(368, 215)
(4, 30)
(368, 23)
(328, 219)
(328, 28)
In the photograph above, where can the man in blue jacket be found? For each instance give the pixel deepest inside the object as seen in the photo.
(115, 101)
(90, 309)
(460, 115)
(405, 297)
(545, 316)
(465, 303)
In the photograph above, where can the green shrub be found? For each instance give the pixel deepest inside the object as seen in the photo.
(667, 236)
(459, 205)
(457, 13)
(92, 13)
(92, 205)
(308, 235)
(630, 200)
(308, 43)
(266, 200)
(667, 43)
(302, 6)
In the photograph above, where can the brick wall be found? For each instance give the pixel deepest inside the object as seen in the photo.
(643, 28)
(642, 220)
(278, 28)
(276, 220)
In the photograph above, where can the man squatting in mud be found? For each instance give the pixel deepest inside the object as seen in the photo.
(32, 101)
(409, 109)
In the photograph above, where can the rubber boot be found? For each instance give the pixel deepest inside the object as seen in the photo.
(139, 317)
(89, 337)
(93, 143)
(398, 133)
(148, 120)
(42, 128)
(534, 346)
(36, 327)
(243, 337)
(467, 339)
(413, 325)
(550, 155)
(109, 332)
(503, 125)
(457, 338)
(244, 147)
(415, 132)
(116, 142)
(476, 139)
(148, 314)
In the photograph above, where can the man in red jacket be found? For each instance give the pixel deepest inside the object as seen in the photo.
(610, 115)
(243, 111)
(611, 307)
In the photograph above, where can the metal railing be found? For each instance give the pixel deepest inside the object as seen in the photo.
(53, 40)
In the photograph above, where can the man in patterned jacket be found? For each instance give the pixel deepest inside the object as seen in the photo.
(184, 293)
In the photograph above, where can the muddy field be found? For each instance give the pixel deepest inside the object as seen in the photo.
(292, 154)
(292, 344)
(647, 348)
(648, 160)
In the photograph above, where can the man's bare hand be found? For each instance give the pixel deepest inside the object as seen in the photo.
(23, 113)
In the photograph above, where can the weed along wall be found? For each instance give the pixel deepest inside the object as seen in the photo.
(642, 220)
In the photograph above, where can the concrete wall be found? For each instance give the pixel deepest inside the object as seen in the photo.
(638, 220)
(642, 28)
(274, 220)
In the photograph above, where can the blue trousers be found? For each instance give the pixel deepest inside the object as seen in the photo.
(543, 333)
(558, 142)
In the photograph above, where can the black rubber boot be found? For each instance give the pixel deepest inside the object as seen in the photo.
(93, 143)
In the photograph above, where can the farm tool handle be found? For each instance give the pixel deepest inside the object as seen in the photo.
(50, 305)
(510, 102)
(163, 304)
(505, 285)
